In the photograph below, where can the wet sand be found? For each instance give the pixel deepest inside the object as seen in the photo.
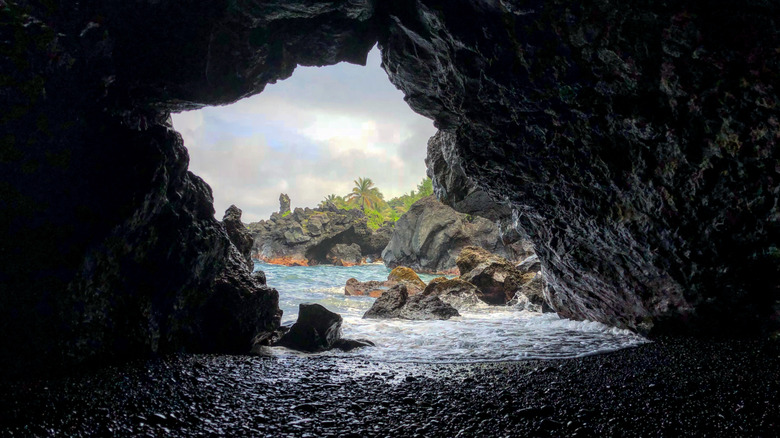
(667, 388)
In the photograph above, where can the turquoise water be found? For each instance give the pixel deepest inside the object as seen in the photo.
(481, 333)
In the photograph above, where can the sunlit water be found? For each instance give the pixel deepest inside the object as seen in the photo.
(486, 333)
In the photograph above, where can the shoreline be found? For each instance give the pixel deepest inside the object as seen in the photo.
(671, 387)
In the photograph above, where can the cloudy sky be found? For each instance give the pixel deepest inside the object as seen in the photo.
(308, 136)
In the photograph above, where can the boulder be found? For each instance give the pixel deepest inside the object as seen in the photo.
(259, 276)
(345, 255)
(429, 236)
(458, 293)
(238, 234)
(496, 278)
(408, 277)
(396, 303)
(316, 329)
(366, 288)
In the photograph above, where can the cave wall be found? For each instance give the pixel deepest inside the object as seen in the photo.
(636, 142)
(109, 247)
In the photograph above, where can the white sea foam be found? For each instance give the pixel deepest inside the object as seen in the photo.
(480, 334)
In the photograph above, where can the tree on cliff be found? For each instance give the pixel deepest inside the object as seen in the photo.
(365, 194)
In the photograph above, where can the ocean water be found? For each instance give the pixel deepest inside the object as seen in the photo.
(481, 334)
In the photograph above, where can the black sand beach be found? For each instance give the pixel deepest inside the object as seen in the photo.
(667, 388)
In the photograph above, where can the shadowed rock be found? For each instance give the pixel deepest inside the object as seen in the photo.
(238, 234)
(396, 303)
(316, 329)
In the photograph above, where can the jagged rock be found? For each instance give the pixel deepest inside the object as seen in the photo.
(530, 264)
(396, 303)
(430, 235)
(259, 275)
(238, 234)
(345, 344)
(306, 237)
(345, 255)
(399, 275)
(284, 203)
(317, 329)
(496, 278)
(458, 293)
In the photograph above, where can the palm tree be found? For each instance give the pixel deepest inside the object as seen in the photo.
(365, 194)
(332, 199)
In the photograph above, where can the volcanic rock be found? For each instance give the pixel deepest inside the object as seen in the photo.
(429, 236)
(284, 203)
(496, 278)
(308, 237)
(458, 293)
(238, 234)
(370, 288)
(316, 329)
(530, 264)
(396, 303)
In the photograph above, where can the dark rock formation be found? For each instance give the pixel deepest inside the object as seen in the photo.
(238, 234)
(110, 248)
(530, 264)
(430, 235)
(635, 142)
(316, 329)
(284, 203)
(317, 236)
(396, 303)
(345, 255)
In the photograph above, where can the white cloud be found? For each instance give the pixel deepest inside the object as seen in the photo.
(308, 136)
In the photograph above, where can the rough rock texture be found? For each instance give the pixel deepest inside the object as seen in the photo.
(316, 329)
(496, 278)
(400, 275)
(238, 234)
(396, 303)
(430, 235)
(110, 248)
(345, 255)
(530, 264)
(456, 292)
(308, 237)
(636, 143)
(284, 203)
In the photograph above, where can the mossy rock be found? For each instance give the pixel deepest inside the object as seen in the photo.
(402, 274)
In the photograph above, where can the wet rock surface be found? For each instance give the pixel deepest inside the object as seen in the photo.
(495, 277)
(456, 292)
(316, 329)
(632, 141)
(238, 234)
(429, 236)
(396, 302)
(648, 390)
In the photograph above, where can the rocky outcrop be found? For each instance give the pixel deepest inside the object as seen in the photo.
(110, 248)
(284, 204)
(238, 234)
(399, 275)
(429, 236)
(396, 303)
(318, 236)
(495, 277)
(633, 141)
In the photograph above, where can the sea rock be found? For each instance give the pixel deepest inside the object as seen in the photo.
(456, 292)
(429, 236)
(496, 278)
(396, 303)
(366, 288)
(345, 255)
(406, 276)
(284, 203)
(238, 234)
(259, 276)
(317, 329)
(307, 237)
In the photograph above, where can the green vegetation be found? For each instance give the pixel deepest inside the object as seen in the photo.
(368, 198)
